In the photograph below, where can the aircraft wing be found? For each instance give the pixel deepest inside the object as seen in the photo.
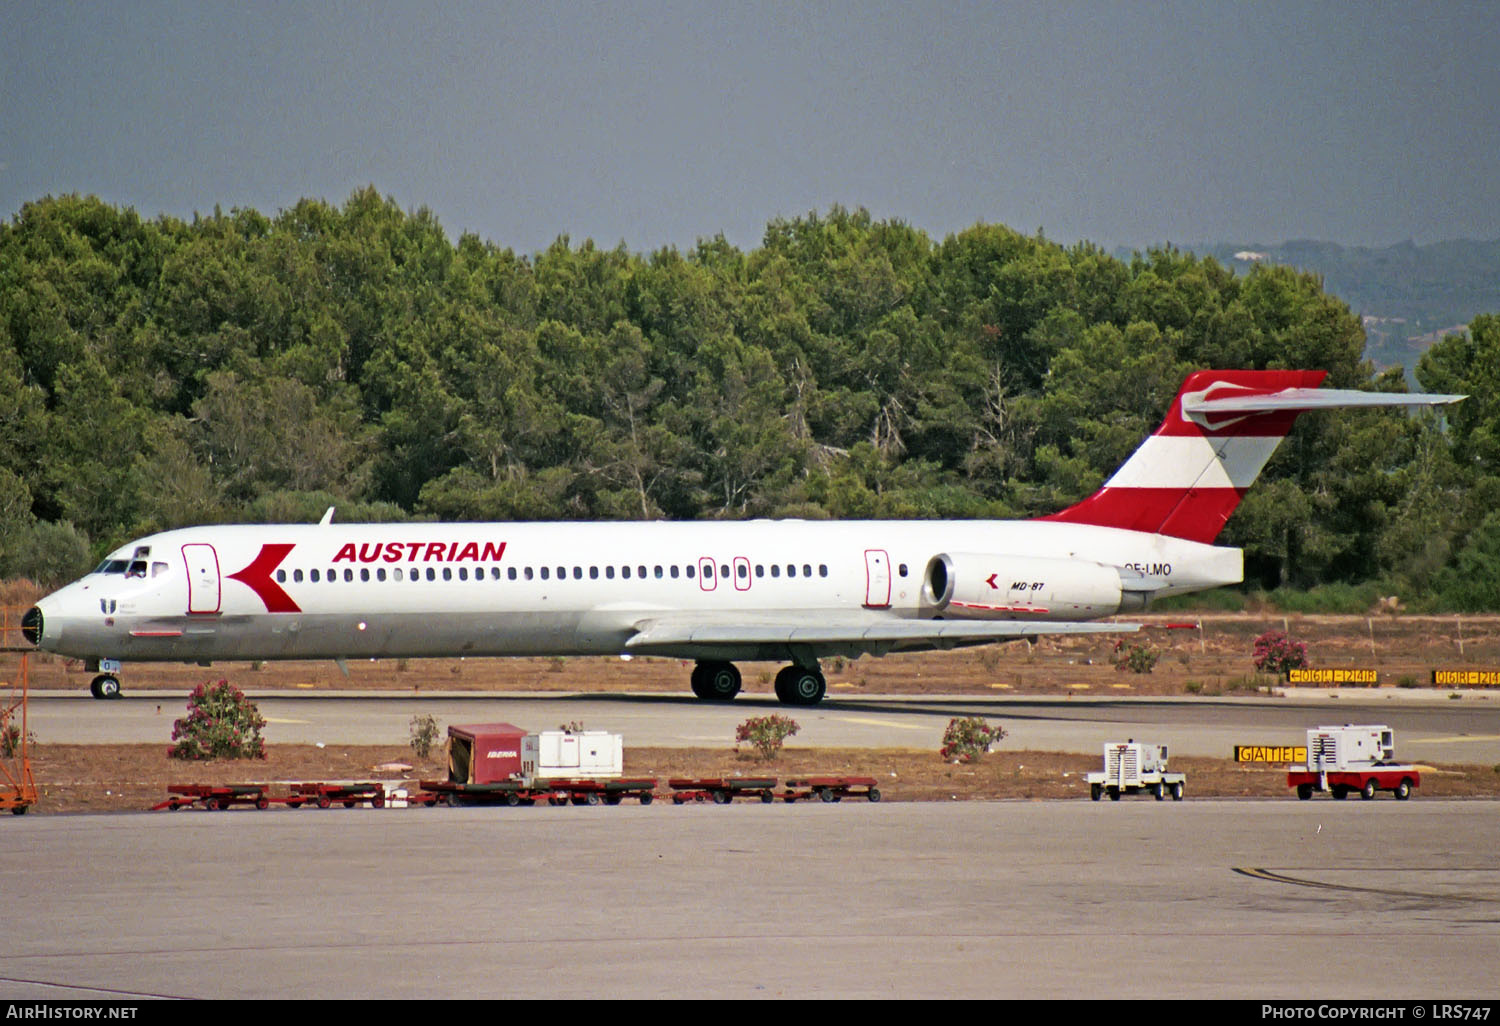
(677, 633)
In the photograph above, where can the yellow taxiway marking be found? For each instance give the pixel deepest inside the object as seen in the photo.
(879, 723)
(1450, 740)
(270, 719)
(1123, 687)
(1005, 686)
(1080, 687)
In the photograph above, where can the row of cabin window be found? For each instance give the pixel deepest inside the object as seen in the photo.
(741, 570)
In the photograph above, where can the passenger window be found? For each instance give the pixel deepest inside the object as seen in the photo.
(349, 574)
(544, 573)
(625, 572)
(562, 573)
(741, 571)
(593, 573)
(313, 576)
(723, 569)
(527, 573)
(396, 573)
(806, 569)
(280, 576)
(791, 570)
(658, 572)
(640, 571)
(431, 574)
(901, 570)
(775, 570)
(380, 574)
(447, 573)
(673, 570)
(364, 573)
(689, 571)
(822, 569)
(609, 573)
(297, 576)
(578, 573)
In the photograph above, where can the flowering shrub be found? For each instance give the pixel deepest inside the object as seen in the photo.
(765, 734)
(221, 724)
(1135, 657)
(968, 738)
(1276, 652)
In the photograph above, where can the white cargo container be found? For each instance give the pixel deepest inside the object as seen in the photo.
(588, 755)
(1131, 766)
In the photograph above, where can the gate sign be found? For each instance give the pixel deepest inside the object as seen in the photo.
(1271, 753)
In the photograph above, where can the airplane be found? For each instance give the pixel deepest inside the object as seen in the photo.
(716, 593)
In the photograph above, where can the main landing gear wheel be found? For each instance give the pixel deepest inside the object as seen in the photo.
(716, 681)
(105, 686)
(799, 685)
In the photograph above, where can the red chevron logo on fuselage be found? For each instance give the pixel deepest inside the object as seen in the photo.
(257, 577)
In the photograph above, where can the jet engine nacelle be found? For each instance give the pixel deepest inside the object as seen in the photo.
(982, 586)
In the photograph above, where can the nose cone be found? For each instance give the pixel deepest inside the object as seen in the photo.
(31, 625)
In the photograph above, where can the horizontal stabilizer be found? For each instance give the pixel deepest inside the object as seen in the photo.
(1303, 399)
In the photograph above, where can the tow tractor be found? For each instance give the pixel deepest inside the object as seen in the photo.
(1130, 767)
(1341, 760)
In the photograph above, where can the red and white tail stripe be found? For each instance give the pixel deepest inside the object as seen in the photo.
(1187, 478)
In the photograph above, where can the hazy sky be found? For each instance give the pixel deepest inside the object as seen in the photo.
(658, 123)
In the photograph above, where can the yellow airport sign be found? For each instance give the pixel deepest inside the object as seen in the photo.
(1466, 678)
(1335, 676)
(1271, 753)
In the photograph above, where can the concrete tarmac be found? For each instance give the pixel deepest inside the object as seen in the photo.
(1265, 900)
(1430, 726)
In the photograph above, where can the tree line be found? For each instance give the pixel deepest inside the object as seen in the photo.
(159, 373)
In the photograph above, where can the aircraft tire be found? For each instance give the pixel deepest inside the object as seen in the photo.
(716, 681)
(105, 686)
(797, 685)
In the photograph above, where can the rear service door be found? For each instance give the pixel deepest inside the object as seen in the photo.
(877, 579)
(203, 578)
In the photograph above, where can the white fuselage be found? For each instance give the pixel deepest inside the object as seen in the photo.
(421, 589)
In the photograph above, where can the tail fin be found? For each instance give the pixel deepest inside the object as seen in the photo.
(1187, 478)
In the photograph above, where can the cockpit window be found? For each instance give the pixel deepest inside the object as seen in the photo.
(112, 566)
(137, 568)
(157, 569)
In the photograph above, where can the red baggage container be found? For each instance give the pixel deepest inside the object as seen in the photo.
(484, 753)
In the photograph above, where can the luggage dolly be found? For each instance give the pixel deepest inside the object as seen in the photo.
(722, 790)
(831, 789)
(349, 795)
(506, 792)
(597, 792)
(215, 797)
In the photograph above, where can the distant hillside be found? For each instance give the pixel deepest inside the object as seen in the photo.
(1408, 296)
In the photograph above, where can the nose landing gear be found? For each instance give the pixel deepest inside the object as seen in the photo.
(106, 685)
